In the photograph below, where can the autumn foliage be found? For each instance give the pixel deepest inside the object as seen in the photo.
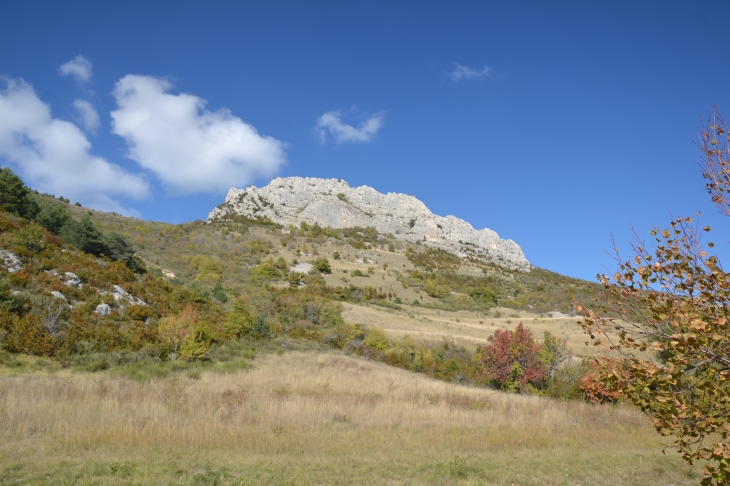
(513, 360)
(670, 343)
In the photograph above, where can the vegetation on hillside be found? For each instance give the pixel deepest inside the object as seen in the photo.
(232, 292)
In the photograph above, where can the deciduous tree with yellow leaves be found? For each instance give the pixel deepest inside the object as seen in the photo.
(671, 330)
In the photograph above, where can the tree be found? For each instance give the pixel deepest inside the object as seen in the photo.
(670, 337)
(512, 360)
(238, 322)
(197, 342)
(52, 216)
(117, 247)
(172, 330)
(15, 197)
(219, 292)
(85, 236)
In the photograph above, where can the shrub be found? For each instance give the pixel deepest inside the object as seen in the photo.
(24, 334)
(484, 296)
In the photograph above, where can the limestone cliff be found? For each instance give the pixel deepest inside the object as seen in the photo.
(333, 203)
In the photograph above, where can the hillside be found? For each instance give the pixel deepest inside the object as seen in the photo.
(199, 255)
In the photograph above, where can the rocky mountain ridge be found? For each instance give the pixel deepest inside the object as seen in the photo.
(333, 203)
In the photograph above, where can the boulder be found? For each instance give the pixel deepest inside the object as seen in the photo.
(103, 310)
(58, 295)
(72, 280)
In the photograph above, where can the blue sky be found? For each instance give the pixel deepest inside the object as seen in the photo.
(553, 123)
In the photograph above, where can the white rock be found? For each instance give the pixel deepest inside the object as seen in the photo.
(10, 261)
(292, 200)
(301, 268)
(103, 310)
(58, 295)
(120, 294)
(559, 315)
(72, 280)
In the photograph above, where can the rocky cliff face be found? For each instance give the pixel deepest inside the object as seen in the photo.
(333, 203)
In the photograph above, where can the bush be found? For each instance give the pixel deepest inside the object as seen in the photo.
(267, 270)
(566, 381)
(24, 334)
(436, 290)
(376, 339)
(323, 265)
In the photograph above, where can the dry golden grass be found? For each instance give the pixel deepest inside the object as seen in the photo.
(315, 419)
(467, 328)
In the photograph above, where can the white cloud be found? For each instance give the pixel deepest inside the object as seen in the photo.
(331, 122)
(87, 115)
(54, 156)
(189, 148)
(79, 67)
(462, 72)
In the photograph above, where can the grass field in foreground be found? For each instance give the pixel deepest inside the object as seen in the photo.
(307, 418)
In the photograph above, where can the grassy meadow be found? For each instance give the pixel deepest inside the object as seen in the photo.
(314, 418)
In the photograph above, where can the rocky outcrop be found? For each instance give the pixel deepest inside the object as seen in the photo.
(333, 203)
(120, 294)
(10, 261)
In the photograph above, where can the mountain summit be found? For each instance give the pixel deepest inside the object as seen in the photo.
(333, 203)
